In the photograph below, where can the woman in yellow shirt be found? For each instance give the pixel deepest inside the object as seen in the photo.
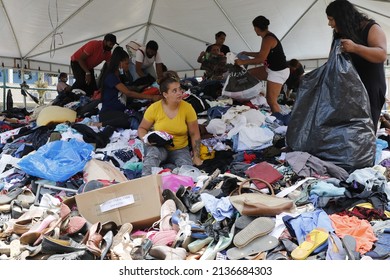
(176, 117)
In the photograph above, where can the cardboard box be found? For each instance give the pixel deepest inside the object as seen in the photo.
(136, 201)
(97, 169)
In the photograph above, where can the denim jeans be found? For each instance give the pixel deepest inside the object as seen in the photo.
(154, 156)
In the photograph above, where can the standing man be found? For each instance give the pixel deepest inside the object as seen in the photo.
(85, 59)
(219, 41)
(144, 61)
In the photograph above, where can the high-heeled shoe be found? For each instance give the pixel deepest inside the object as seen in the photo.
(32, 235)
(55, 226)
(93, 238)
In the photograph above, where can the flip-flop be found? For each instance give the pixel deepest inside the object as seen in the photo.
(314, 239)
(198, 244)
(258, 227)
(281, 255)
(349, 243)
(214, 247)
(244, 221)
(260, 244)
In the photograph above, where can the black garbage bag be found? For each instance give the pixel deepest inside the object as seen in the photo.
(331, 116)
(10, 100)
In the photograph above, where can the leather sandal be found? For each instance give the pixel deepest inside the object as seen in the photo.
(93, 239)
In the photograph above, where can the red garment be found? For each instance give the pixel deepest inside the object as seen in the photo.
(95, 52)
(248, 158)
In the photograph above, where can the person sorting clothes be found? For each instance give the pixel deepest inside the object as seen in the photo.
(365, 41)
(273, 63)
(114, 111)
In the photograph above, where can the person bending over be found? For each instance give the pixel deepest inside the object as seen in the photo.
(114, 111)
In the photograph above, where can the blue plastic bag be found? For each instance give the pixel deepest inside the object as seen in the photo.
(380, 145)
(57, 161)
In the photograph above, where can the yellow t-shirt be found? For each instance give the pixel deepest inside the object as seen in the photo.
(177, 126)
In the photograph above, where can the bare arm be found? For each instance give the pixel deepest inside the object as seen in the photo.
(82, 62)
(143, 128)
(132, 94)
(200, 57)
(252, 54)
(375, 52)
(258, 58)
(159, 70)
(193, 129)
(138, 69)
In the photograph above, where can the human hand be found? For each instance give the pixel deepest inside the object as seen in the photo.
(197, 161)
(238, 62)
(347, 45)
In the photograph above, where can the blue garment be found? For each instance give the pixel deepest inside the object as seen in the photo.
(110, 101)
(300, 226)
(382, 246)
(218, 208)
(322, 188)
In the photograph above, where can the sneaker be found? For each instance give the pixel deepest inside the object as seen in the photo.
(167, 209)
(190, 199)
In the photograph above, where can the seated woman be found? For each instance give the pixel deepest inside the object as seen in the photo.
(114, 93)
(176, 117)
(65, 94)
(214, 63)
(62, 86)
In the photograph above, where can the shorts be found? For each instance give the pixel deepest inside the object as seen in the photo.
(279, 77)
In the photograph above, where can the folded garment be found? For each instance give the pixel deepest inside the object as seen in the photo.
(158, 138)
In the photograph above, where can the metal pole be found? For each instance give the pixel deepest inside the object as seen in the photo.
(4, 87)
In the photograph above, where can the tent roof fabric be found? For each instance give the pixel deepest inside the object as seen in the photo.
(35, 32)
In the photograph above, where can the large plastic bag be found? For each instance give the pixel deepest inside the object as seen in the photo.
(331, 116)
(174, 181)
(241, 85)
(57, 161)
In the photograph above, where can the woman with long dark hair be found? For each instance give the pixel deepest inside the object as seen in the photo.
(365, 42)
(115, 93)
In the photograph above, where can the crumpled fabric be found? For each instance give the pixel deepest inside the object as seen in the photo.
(216, 127)
(370, 178)
(322, 188)
(251, 137)
(361, 230)
(158, 138)
(307, 165)
(300, 226)
(219, 208)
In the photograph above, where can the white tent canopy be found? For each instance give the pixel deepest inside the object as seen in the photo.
(43, 34)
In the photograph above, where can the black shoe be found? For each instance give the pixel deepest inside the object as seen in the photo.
(168, 194)
(190, 199)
